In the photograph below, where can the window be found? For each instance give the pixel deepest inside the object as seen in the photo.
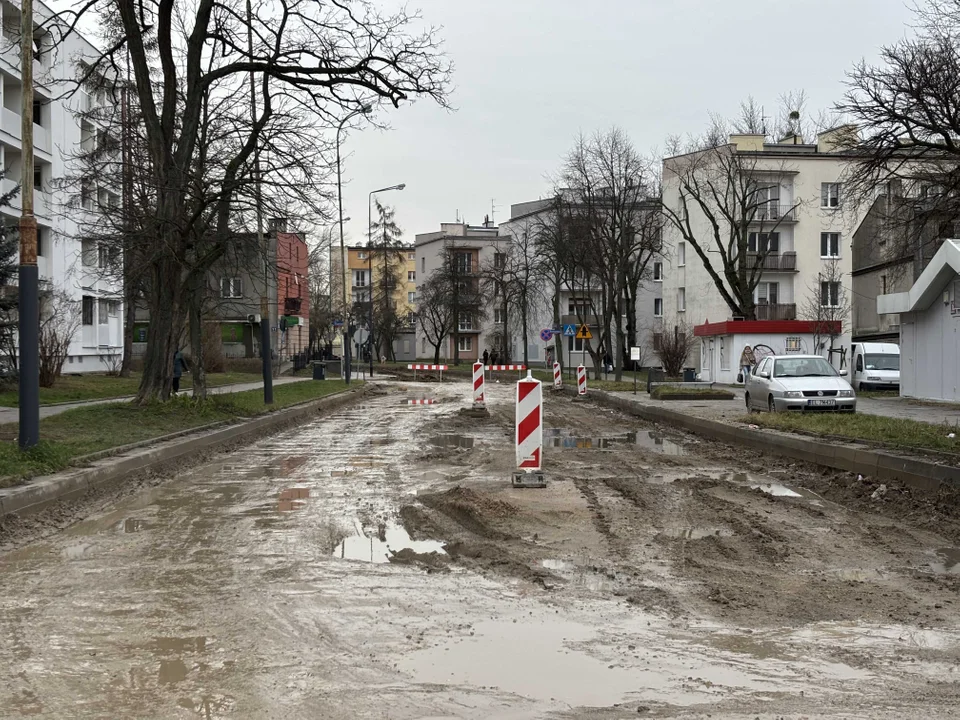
(578, 306)
(768, 293)
(499, 316)
(883, 284)
(423, 264)
(830, 195)
(681, 254)
(38, 112)
(88, 253)
(681, 299)
(361, 255)
(575, 344)
(830, 294)
(768, 202)
(38, 177)
(114, 309)
(658, 307)
(658, 272)
(412, 256)
(103, 315)
(231, 287)
(359, 278)
(500, 260)
(411, 297)
(411, 275)
(103, 257)
(465, 343)
(657, 341)
(829, 245)
(885, 361)
(41, 240)
(86, 308)
(86, 194)
(766, 242)
(464, 263)
(466, 322)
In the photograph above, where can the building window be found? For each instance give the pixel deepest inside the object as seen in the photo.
(883, 284)
(657, 341)
(465, 343)
(500, 260)
(86, 309)
(361, 255)
(575, 344)
(411, 297)
(767, 242)
(423, 264)
(830, 195)
(681, 299)
(38, 178)
(103, 314)
(658, 307)
(114, 309)
(359, 278)
(829, 294)
(578, 306)
(829, 245)
(466, 322)
(38, 113)
(658, 272)
(768, 293)
(499, 316)
(411, 275)
(103, 257)
(464, 263)
(412, 256)
(41, 241)
(681, 254)
(231, 287)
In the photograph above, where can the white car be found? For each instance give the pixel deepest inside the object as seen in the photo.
(804, 383)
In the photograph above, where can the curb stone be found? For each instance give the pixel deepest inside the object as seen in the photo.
(71, 484)
(922, 475)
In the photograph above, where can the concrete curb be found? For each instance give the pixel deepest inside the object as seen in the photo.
(41, 492)
(922, 475)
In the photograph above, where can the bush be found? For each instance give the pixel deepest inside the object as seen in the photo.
(250, 366)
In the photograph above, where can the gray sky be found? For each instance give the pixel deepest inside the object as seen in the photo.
(531, 74)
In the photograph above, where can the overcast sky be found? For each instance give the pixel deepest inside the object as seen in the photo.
(530, 74)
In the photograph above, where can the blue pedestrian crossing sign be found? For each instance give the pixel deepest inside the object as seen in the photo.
(569, 330)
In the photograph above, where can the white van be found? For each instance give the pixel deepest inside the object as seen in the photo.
(875, 365)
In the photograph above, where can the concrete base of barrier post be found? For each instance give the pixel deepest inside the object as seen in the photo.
(523, 479)
(479, 410)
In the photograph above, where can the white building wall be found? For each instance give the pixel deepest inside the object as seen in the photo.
(929, 352)
(56, 139)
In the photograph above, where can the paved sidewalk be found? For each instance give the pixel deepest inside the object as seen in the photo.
(12, 415)
(730, 409)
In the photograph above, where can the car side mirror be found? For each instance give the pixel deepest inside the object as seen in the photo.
(765, 374)
(844, 372)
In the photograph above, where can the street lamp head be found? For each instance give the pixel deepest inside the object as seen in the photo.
(401, 186)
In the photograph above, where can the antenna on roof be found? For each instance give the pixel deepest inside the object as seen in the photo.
(493, 212)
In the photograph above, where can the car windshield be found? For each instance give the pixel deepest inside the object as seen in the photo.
(803, 367)
(887, 361)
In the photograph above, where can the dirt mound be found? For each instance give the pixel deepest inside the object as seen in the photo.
(432, 561)
(472, 510)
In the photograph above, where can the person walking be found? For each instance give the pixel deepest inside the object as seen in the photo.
(493, 357)
(486, 357)
(747, 360)
(179, 364)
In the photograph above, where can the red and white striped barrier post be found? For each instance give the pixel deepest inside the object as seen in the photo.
(529, 435)
(581, 380)
(416, 367)
(521, 368)
(478, 397)
(557, 376)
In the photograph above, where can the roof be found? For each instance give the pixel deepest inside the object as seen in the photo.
(766, 327)
(942, 269)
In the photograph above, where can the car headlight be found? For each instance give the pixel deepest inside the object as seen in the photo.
(793, 394)
(845, 393)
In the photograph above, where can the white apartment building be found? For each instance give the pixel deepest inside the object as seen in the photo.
(810, 227)
(64, 260)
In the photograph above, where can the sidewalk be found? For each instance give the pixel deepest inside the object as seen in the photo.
(12, 415)
(893, 407)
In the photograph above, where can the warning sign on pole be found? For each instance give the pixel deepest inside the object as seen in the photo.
(584, 333)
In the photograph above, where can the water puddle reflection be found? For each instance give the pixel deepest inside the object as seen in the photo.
(565, 438)
(376, 550)
(292, 499)
(696, 533)
(452, 441)
(947, 562)
(588, 577)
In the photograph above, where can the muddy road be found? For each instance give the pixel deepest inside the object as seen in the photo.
(376, 564)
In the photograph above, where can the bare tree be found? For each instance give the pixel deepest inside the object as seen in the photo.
(434, 313)
(827, 306)
(673, 348)
(59, 322)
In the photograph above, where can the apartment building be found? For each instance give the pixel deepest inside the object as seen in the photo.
(361, 272)
(803, 232)
(65, 261)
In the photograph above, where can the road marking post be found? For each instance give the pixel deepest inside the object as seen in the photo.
(581, 380)
(423, 401)
(557, 377)
(529, 434)
(521, 368)
(479, 401)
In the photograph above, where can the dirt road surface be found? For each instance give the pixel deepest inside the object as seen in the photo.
(376, 564)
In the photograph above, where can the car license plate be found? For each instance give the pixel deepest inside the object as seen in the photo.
(823, 402)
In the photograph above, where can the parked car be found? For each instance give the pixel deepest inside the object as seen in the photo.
(875, 366)
(798, 382)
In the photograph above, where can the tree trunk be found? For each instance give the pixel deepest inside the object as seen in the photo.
(129, 319)
(196, 349)
(166, 326)
(436, 352)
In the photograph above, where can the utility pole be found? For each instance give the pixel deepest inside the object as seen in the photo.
(29, 310)
(264, 299)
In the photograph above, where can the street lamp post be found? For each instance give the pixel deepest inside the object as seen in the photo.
(363, 109)
(401, 186)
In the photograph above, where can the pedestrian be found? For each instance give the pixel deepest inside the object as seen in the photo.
(486, 357)
(607, 363)
(747, 361)
(493, 357)
(179, 364)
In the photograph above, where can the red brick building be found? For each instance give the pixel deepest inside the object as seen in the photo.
(293, 291)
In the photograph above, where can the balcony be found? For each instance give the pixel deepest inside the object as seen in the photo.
(772, 212)
(780, 311)
(774, 262)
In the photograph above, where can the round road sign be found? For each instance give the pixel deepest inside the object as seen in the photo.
(546, 334)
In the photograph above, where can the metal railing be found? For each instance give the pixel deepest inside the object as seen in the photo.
(785, 262)
(774, 212)
(776, 311)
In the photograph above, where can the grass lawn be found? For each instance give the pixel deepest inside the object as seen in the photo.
(86, 430)
(665, 391)
(871, 428)
(72, 388)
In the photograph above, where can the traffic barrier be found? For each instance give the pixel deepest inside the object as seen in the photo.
(521, 368)
(478, 397)
(581, 380)
(423, 401)
(441, 368)
(557, 376)
(529, 433)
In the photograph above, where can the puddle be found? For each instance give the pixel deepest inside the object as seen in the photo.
(564, 438)
(172, 671)
(131, 525)
(696, 533)
(452, 441)
(948, 561)
(581, 575)
(292, 499)
(776, 489)
(374, 550)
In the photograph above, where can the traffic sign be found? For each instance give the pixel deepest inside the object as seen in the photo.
(338, 323)
(569, 330)
(584, 333)
(546, 334)
(635, 354)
